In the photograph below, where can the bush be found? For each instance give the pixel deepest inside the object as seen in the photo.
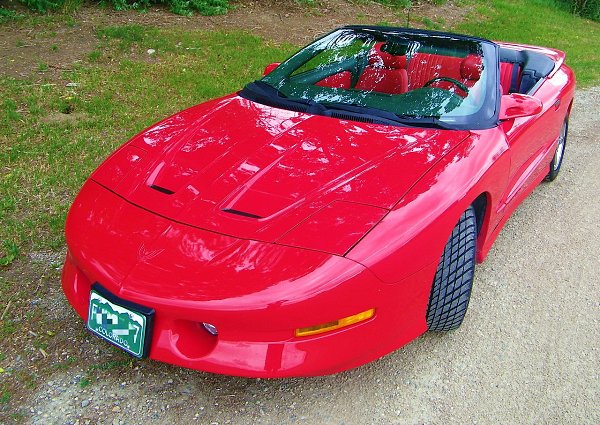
(8, 15)
(585, 8)
(42, 6)
(204, 7)
(181, 7)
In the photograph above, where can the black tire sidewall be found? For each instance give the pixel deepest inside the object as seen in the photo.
(553, 172)
(451, 290)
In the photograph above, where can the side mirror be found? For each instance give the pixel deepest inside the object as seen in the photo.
(270, 68)
(517, 105)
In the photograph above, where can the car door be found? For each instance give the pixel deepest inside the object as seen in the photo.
(529, 139)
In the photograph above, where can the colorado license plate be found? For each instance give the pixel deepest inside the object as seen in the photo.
(124, 324)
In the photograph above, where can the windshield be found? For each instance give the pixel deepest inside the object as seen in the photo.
(392, 76)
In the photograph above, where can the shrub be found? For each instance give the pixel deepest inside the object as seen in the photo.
(585, 8)
(8, 15)
(204, 7)
(181, 7)
(42, 6)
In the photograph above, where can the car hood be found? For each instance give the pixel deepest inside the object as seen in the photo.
(252, 171)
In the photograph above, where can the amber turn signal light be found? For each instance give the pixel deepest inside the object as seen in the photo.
(336, 324)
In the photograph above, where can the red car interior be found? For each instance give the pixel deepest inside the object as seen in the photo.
(341, 80)
(385, 73)
(392, 74)
(396, 74)
(509, 72)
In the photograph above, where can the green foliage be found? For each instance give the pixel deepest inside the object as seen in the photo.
(204, 7)
(127, 4)
(404, 4)
(8, 15)
(70, 6)
(43, 6)
(11, 252)
(181, 7)
(585, 8)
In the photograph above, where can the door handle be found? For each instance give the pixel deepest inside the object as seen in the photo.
(557, 104)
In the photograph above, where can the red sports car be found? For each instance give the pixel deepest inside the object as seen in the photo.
(326, 214)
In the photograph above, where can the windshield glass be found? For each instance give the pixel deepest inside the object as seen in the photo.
(390, 75)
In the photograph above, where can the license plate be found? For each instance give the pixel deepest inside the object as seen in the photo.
(122, 323)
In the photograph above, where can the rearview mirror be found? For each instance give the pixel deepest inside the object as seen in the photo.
(270, 67)
(517, 105)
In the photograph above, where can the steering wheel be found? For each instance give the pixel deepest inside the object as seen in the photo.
(457, 83)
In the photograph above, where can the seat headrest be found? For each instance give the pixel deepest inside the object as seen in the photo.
(381, 59)
(470, 67)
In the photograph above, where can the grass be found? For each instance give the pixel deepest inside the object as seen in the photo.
(48, 131)
(540, 22)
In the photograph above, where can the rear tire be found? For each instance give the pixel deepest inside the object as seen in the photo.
(453, 279)
(559, 154)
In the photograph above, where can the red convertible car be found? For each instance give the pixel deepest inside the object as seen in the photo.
(326, 214)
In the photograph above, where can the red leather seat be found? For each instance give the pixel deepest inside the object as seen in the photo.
(385, 73)
(507, 74)
(424, 67)
(470, 70)
(341, 80)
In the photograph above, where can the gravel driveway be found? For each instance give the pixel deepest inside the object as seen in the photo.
(527, 353)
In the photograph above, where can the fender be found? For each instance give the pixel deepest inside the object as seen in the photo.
(479, 165)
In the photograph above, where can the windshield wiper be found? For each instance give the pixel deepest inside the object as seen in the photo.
(424, 121)
(379, 115)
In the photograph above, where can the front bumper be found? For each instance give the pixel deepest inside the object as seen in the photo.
(256, 294)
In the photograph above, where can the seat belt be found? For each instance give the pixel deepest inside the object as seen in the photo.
(514, 82)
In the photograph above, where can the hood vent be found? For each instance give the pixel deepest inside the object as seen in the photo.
(242, 213)
(162, 189)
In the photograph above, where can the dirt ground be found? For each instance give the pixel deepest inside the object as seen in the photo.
(528, 351)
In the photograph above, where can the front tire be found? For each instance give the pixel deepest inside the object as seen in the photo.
(453, 279)
(559, 154)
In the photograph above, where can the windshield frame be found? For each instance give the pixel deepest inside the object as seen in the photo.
(486, 116)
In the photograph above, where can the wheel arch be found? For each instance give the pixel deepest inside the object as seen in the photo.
(480, 206)
(570, 107)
